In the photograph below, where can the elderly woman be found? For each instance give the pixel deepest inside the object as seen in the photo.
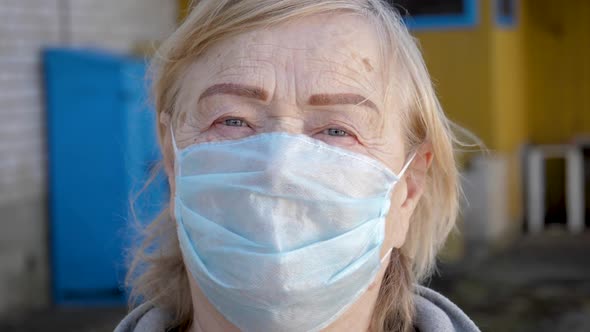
(311, 171)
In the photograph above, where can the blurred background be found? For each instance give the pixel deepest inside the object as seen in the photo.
(77, 142)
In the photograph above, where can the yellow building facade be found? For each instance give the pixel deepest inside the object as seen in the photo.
(527, 83)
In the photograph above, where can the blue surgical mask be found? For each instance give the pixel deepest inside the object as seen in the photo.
(281, 232)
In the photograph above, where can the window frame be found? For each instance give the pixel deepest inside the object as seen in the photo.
(468, 19)
(506, 21)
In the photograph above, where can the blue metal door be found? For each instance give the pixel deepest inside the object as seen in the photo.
(100, 137)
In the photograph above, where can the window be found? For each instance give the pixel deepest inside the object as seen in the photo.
(438, 14)
(505, 12)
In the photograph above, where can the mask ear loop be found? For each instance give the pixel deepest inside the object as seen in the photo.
(401, 174)
(175, 150)
(407, 165)
(386, 255)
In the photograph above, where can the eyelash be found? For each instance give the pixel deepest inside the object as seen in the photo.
(234, 120)
(338, 132)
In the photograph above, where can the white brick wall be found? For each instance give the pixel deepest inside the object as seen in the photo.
(26, 26)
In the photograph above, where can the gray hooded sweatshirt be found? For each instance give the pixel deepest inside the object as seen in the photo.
(434, 313)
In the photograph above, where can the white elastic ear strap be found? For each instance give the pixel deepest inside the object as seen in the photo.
(175, 148)
(386, 255)
(407, 165)
(401, 173)
(173, 141)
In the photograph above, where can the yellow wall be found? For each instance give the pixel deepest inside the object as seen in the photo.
(480, 78)
(481, 81)
(458, 63)
(510, 86)
(508, 100)
(558, 66)
(183, 8)
(516, 85)
(509, 105)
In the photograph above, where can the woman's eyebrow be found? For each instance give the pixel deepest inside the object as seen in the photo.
(236, 90)
(323, 99)
(341, 99)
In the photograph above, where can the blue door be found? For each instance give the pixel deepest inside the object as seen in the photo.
(101, 147)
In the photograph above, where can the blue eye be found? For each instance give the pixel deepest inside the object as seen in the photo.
(234, 122)
(336, 132)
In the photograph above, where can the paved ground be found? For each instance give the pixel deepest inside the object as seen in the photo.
(64, 320)
(540, 284)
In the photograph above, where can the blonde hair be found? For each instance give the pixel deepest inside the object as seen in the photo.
(157, 272)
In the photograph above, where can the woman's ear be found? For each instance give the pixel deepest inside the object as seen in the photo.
(408, 194)
(416, 177)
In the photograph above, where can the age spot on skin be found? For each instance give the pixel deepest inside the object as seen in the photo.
(368, 66)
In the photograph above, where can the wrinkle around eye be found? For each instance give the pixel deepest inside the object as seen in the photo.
(339, 141)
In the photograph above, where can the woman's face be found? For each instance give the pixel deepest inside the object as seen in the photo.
(321, 76)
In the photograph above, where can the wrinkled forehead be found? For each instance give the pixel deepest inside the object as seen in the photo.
(330, 51)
